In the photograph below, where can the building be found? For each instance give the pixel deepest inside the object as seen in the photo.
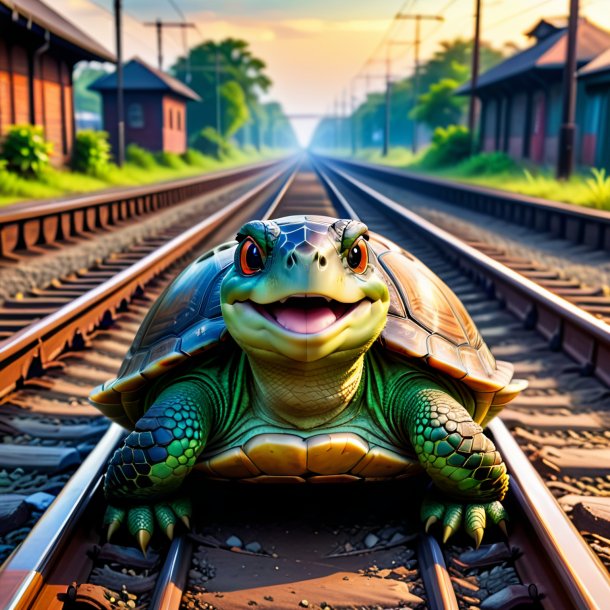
(155, 107)
(521, 98)
(38, 50)
(594, 80)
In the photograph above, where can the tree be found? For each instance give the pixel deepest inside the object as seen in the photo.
(227, 69)
(439, 106)
(86, 100)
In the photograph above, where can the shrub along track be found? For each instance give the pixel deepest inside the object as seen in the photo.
(338, 542)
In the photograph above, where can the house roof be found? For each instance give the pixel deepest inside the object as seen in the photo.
(140, 76)
(548, 53)
(600, 64)
(37, 13)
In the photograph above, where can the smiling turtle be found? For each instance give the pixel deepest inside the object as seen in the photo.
(307, 351)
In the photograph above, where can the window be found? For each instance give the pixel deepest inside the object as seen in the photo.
(179, 119)
(171, 119)
(135, 116)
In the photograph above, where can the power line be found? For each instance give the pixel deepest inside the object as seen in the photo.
(515, 15)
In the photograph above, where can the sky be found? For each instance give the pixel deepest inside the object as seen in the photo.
(316, 49)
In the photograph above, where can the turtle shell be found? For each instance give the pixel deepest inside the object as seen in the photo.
(426, 322)
(184, 322)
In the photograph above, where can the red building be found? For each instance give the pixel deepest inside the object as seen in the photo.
(38, 50)
(521, 97)
(155, 107)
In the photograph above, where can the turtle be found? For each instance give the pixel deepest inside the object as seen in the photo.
(307, 350)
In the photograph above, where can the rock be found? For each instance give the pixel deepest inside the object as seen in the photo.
(387, 533)
(14, 512)
(40, 501)
(396, 538)
(348, 548)
(370, 541)
(593, 515)
(486, 555)
(234, 541)
(253, 547)
(511, 597)
(304, 603)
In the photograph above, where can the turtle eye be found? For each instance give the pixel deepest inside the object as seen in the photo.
(251, 257)
(358, 256)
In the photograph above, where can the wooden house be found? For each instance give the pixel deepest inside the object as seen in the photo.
(594, 81)
(155, 107)
(38, 50)
(521, 98)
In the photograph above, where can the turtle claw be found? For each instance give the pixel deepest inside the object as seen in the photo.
(141, 519)
(503, 527)
(143, 540)
(453, 516)
(430, 521)
(112, 529)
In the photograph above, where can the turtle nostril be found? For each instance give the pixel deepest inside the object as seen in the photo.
(291, 260)
(322, 262)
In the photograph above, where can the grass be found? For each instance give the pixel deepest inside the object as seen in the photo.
(56, 183)
(496, 170)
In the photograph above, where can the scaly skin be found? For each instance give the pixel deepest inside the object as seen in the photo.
(460, 459)
(331, 379)
(154, 460)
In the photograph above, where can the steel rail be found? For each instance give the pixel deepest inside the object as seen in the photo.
(573, 223)
(583, 337)
(581, 573)
(433, 570)
(432, 567)
(173, 578)
(30, 225)
(45, 339)
(23, 576)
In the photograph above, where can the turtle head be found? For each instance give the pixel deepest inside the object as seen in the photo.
(304, 287)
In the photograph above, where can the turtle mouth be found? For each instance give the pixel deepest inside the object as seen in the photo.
(306, 314)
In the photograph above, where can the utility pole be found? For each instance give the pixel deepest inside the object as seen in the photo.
(474, 79)
(388, 95)
(418, 18)
(344, 134)
(120, 106)
(352, 117)
(159, 25)
(388, 99)
(336, 124)
(567, 133)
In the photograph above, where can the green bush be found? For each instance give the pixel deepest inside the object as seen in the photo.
(25, 150)
(195, 158)
(450, 145)
(140, 157)
(599, 188)
(169, 159)
(91, 153)
(487, 164)
(209, 142)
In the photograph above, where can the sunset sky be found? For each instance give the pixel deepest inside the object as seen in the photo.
(313, 48)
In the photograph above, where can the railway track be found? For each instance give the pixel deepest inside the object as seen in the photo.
(561, 247)
(232, 560)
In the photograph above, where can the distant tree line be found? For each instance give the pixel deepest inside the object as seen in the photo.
(436, 104)
(230, 81)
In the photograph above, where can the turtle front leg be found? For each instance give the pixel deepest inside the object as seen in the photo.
(461, 461)
(154, 460)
